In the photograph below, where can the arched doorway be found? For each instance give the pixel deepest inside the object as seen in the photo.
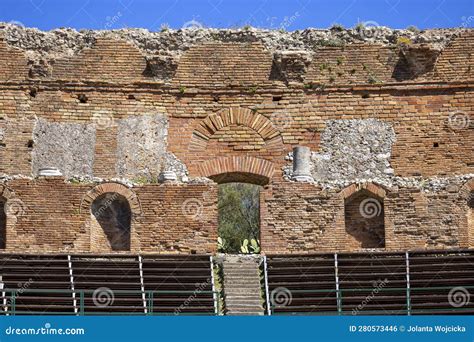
(240, 180)
(239, 217)
(364, 220)
(111, 211)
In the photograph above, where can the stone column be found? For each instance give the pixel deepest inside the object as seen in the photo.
(302, 164)
(49, 172)
(168, 176)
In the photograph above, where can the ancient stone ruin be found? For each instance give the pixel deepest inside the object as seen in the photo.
(362, 141)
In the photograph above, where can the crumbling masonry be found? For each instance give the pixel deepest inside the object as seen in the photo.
(360, 143)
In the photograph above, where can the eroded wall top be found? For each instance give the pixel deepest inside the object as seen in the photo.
(212, 57)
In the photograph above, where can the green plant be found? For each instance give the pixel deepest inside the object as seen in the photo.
(337, 27)
(359, 26)
(332, 79)
(164, 27)
(247, 27)
(413, 29)
(182, 90)
(254, 246)
(253, 89)
(331, 42)
(372, 79)
(339, 60)
(221, 244)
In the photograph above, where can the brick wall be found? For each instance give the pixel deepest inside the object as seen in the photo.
(50, 215)
(302, 218)
(228, 120)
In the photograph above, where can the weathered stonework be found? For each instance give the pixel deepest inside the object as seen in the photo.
(114, 110)
(66, 146)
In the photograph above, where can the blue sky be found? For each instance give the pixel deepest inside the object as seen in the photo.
(290, 15)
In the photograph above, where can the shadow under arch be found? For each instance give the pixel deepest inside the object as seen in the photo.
(240, 177)
(364, 214)
(113, 213)
(237, 169)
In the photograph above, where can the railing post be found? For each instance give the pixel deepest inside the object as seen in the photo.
(81, 303)
(13, 300)
(267, 294)
(71, 279)
(152, 299)
(142, 283)
(149, 302)
(214, 296)
(407, 262)
(338, 292)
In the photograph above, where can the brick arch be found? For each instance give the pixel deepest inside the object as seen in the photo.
(364, 216)
(121, 189)
(373, 188)
(234, 116)
(237, 169)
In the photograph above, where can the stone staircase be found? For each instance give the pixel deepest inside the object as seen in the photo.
(242, 288)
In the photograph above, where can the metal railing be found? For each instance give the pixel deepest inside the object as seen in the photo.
(348, 309)
(81, 302)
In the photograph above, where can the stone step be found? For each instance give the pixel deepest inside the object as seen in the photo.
(242, 288)
(239, 272)
(252, 282)
(249, 303)
(244, 308)
(241, 291)
(238, 296)
(241, 266)
(244, 313)
(243, 276)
